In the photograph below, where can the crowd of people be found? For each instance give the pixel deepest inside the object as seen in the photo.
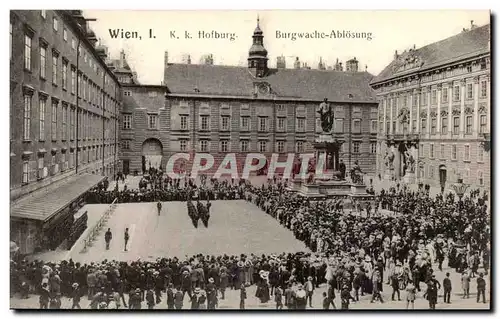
(353, 254)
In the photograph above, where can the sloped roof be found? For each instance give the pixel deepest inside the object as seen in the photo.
(43, 204)
(117, 68)
(296, 84)
(458, 47)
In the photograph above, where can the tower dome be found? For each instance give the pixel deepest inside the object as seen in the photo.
(257, 55)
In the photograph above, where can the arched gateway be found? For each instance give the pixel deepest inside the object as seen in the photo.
(152, 153)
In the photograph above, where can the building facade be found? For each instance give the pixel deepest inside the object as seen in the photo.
(220, 109)
(63, 118)
(434, 112)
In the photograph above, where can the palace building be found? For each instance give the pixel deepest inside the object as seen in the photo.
(220, 109)
(435, 105)
(63, 123)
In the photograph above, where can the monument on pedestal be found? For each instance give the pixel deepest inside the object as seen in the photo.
(409, 168)
(326, 172)
(389, 165)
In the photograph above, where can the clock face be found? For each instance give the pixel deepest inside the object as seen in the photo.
(263, 88)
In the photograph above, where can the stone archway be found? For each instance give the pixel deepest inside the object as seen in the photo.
(152, 153)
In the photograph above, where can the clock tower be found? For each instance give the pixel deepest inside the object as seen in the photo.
(257, 55)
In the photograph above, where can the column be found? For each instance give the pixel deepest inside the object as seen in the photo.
(385, 115)
(397, 104)
(463, 89)
(391, 103)
(410, 107)
(417, 93)
(428, 98)
(438, 97)
(475, 119)
(450, 108)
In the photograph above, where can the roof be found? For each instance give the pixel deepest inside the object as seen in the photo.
(45, 203)
(458, 47)
(117, 68)
(295, 84)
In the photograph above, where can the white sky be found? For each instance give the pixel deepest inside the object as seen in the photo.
(391, 30)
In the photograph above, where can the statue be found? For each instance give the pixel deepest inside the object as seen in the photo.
(326, 114)
(410, 162)
(389, 160)
(356, 174)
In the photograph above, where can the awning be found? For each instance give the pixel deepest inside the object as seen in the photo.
(45, 203)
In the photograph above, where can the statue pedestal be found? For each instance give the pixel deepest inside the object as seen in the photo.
(295, 184)
(409, 178)
(357, 189)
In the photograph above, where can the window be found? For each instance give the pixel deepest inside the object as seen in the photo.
(456, 125)
(64, 122)
(54, 121)
(224, 146)
(42, 118)
(423, 98)
(444, 95)
(183, 145)
(54, 68)
(41, 165)
(433, 125)
(27, 52)
(204, 146)
(444, 125)
(482, 124)
(281, 124)
(153, 94)
(127, 121)
(469, 69)
(73, 43)
(431, 172)
(355, 147)
(126, 144)
(65, 35)
(184, 122)
(26, 172)
(280, 145)
(27, 117)
(470, 91)
(262, 124)
(153, 122)
(394, 126)
(301, 123)
(374, 126)
(127, 93)
(468, 124)
(244, 145)
(480, 178)
(65, 75)
(431, 151)
(373, 147)
(480, 153)
(454, 152)
(423, 125)
(225, 123)
(204, 122)
(299, 146)
(339, 126)
(43, 61)
(356, 126)
(72, 118)
(456, 93)
(280, 107)
(262, 146)
(55, 24)
(245, 123)
(434, 97)
(388, 127)
(466, 153)
(484, 88)
(421, 150)
(414, 125)
(73, 80)
(43, 13)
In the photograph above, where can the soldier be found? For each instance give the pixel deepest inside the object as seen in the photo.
(126, 237)
(158, 206)
(107, 238)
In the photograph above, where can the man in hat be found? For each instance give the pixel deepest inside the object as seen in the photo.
(126, 237)
(170, 296)
(447, 288)
(211, 294)
(481, 287)
(345, 297)
(309, 287)
(44, 296)
(107, 238)
(195, 297)
(278, 297)
(300, 297)
(75, 296)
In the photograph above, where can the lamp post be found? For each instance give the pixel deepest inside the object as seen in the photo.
(460, 188)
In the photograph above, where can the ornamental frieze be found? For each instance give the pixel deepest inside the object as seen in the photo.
(423, 114)
(455, 112)
(469, 110)
(433, 114)
(444, 113)
(483, 109)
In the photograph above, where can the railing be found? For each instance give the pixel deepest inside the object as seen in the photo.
(94, 232)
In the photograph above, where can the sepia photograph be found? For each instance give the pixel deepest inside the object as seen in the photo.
(273, 160)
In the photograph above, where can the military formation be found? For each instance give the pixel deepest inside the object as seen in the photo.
(199, 212)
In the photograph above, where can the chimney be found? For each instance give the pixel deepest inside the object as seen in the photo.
(341, 68)
(281, 62)
(296, 64)
(102, 52)
(396, 56)
(165, 59)
(321, 65)
(472, 25)
(122, 58)
(188, 59)
(366, 68)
